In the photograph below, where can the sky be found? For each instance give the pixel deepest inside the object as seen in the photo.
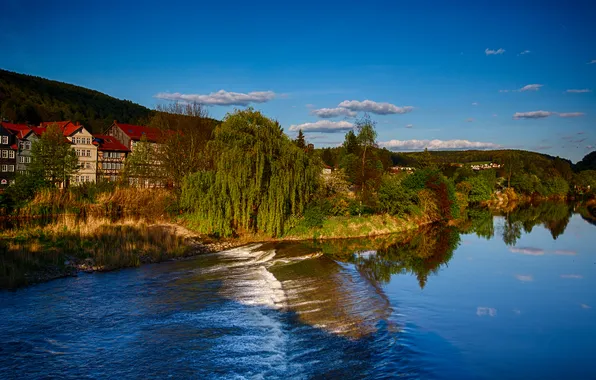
(467, 74)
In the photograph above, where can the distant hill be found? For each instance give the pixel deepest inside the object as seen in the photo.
(469, 156)
(30, 99)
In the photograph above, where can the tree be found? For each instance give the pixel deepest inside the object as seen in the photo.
(367, 139)
(185, 131)
(52, 157)
(141, 167)
(300, 141)
(259, 179)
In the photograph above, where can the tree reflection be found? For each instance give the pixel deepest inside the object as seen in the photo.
(553, 216)
(421, 253)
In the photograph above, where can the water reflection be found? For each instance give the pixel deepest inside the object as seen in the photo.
(553, 216)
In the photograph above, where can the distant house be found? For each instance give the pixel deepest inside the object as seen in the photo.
(25, 137)
(327, 170)
(111, 155)
(82, 143)
(485, 166)
(398, 169)
(8, 156)
(129, 134)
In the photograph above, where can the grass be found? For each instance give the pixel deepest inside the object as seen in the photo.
(337, 227)
(32, 254)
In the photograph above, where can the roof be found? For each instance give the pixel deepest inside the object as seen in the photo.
(67, 127)
(109, 143)
(38, 130)
(20, 130)
(135, 132)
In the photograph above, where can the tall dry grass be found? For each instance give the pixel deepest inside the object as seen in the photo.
(32, 254)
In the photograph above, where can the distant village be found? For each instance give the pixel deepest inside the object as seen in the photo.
(101, 156)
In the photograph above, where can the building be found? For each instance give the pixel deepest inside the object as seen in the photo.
(8, 156)
(129, 134)
(82, 143)
(111, 155)
(25, 136)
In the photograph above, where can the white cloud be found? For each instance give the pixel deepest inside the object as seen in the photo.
(571, 114)
(592, 62)
(543, 114)
(220, 98)
(579, 91)
(527, 251)
(326, 113)
(525, 52)
(374, 107)
(324, 126)
(494, 52)
(397, 145)
(483, 310)
(565, 252)
(524, 278)
(409, 126)
(503, 90)
(532, 115)
(530, 87)
(574, 276)
(474, 104)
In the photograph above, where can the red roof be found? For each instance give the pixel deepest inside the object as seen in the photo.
(135, 132)
(67, 127)
(110, 143)
(38, 130)
(20, 130)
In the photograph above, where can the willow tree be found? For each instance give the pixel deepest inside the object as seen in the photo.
(259, 178)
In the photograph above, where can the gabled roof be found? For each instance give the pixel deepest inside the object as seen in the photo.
(68, 127)
(109, 143)
(37, 130)
(135, 132)
(20, 130)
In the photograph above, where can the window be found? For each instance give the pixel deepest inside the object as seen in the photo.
(4, 154)
(4, 139)
(21, 160)
(27, 145)
(78, 152)
(11, 168)
(88, 153)
(11, 154)
(77, 179)
(27, 160)
(4, 168)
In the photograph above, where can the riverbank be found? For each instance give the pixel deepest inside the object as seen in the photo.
(69, 245)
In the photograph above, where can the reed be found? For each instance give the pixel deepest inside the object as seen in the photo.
(33, 254)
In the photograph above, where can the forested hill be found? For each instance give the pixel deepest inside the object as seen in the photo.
(30, 99)
(473, 156)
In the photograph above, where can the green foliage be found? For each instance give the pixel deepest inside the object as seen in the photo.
(25, 98)
(300, 141)
(259, 179)
(394, 197)
(481, 189)
(141, 167)
(24, 189)
(52, 157)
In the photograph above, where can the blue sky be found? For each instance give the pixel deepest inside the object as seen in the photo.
(453, 73)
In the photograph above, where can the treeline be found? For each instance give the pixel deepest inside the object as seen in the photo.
(530, 174)
(30, 99)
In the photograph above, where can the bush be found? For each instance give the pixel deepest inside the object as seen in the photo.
(394, 198)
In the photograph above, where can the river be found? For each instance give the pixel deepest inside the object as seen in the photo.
(505, 297)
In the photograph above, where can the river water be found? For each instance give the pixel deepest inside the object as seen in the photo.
(509, 297)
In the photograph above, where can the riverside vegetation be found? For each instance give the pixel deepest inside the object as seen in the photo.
(245, 179)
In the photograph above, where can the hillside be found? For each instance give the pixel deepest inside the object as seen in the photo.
(26, 98)
(469, 156)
